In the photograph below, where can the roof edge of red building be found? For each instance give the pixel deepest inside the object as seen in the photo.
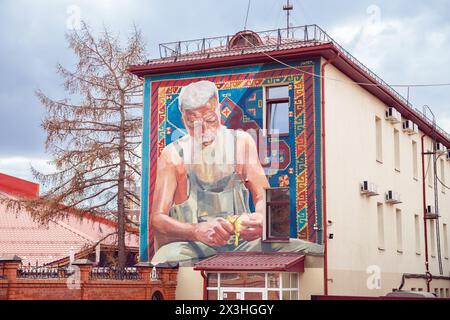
(15, 186)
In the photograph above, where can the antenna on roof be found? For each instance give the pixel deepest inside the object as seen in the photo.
(288, 7)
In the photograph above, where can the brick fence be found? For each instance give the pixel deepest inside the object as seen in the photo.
(83, 286)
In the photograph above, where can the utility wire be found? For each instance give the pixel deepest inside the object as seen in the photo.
(246, 17)
(340, 80)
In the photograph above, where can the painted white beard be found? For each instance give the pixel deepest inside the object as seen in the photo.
(215, 160)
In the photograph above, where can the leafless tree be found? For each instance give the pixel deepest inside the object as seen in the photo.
(94, 134)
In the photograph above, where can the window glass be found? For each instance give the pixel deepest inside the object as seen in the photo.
(273, 295)
(212, 295)
(379, 138)
(274, 280)
(249, 280)
(286, 295)
(279, 221)
(212, 280)
(253, 295)
(277, 92)
(279, 118)
(255, 280)
(278, 213)
(294, 280)
(285, 280)
(294, 295)
(231, 280)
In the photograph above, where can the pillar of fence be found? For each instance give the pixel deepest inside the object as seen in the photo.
(8, 271)
(85, 267)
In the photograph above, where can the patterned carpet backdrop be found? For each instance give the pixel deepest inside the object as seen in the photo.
(241, 97)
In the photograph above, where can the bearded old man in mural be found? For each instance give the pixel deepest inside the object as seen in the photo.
(203, 184)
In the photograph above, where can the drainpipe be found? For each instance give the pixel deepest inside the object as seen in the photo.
(205, 278)
(424, 199)
(324, 180)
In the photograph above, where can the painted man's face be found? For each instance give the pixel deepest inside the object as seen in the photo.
(203, 122)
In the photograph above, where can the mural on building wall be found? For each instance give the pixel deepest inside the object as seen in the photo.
(224, 195)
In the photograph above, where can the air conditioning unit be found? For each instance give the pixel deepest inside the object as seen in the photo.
(410, 127)
(393, 115)
(440, 149)
(368, 188)
(431, 212)
(392, 197)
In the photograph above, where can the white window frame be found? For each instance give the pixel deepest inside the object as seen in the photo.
(264, 290)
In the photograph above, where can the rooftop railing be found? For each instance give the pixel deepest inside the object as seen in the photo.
(273, 40)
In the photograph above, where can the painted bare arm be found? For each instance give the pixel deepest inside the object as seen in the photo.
(256, 181)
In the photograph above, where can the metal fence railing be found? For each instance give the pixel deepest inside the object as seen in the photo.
(275, 39)
(108, 273)
(36, 272)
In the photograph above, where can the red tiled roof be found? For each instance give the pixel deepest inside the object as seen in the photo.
(254, 261)
(22, 236)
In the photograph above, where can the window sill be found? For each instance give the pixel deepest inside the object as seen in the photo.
(433, 256)
(397, 170)
(400, 251)
(380, 161)
(276, 240)
(279, 135)
(415, 179)
(381, 249)
(418, 254)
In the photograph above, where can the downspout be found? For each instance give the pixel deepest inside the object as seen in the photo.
(424, 199)
(324, 180)
(205, 279)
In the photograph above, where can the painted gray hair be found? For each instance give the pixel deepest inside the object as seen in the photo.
(197, 94)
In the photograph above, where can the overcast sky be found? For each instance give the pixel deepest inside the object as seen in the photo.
(405, 42)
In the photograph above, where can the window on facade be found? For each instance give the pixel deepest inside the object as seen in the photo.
(417, 232)
(433, 238)
(398, 222)
(397, 149)
(278, 214)
(442, 175)
(429, 169)
(446, 253)
(414, 160)
(253, 285)
(277, 110)
(379, 140)
(380, 218)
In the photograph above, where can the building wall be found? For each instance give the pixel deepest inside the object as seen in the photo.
(189, 284)
(354, 253)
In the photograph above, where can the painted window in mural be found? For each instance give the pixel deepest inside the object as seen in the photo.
(277, 214)
(211, 160)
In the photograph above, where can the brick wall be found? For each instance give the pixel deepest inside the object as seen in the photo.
(84, 288)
